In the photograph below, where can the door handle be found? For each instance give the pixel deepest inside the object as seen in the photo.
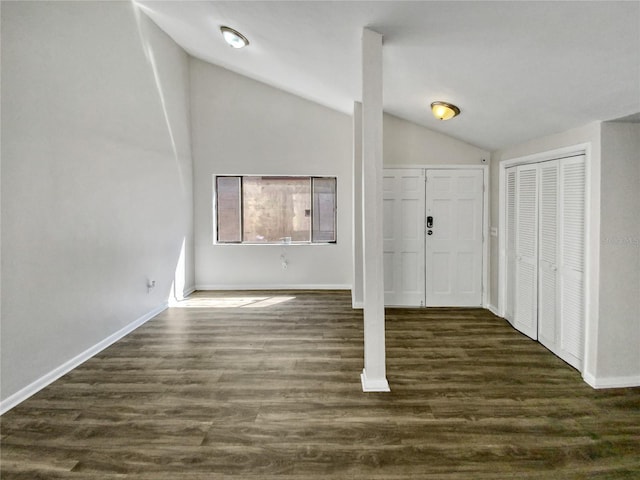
(429, 222)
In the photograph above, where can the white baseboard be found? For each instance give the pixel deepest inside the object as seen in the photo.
(280, 286)
(493, 309)
(173, 301)
(33, 388)
(188, 291)
(368, 385)
(611, 382)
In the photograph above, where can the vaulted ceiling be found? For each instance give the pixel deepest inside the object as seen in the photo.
(517, 70)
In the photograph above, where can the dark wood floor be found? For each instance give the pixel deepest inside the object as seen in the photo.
(261, 389)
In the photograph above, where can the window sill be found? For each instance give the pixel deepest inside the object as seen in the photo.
(277, 244)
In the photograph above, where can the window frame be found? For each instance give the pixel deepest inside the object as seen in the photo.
(310, 178)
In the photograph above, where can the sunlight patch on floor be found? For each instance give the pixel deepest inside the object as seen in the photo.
(232, 302)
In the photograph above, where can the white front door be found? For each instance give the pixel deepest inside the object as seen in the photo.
(403, 237)
(453, 246)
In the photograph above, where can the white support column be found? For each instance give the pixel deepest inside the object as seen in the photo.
(374, 372)
(357, 296)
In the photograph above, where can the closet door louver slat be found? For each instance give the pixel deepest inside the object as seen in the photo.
(547, 256)
(525, 318)
(572, 235)
(511, 243)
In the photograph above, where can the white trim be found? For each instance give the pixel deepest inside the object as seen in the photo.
(573, 150)
(188, 291)
(439, 166)
(493, 309)
(369, 385)
(612, 382)
(174, 300)
(591, 257)
(357, 305)
(502, 240)
(34, 387)
(276, 286)
(485, 234)
(276, 244)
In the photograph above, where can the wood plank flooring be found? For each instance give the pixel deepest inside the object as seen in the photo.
(266, 385)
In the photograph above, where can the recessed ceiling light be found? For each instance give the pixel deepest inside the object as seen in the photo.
(234, 38)
(444, 111)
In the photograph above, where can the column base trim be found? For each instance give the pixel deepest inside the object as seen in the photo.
(611, 382)
(368, 385)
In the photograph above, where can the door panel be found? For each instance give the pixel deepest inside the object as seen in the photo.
(389, 234)
(454, 198)
(526, 279)
(547, 256)
(465, 275)
(511, 243)
(441, 283)
(525, 319)
(571, 268)
(403, 241)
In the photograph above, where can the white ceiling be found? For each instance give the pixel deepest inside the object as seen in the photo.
(517, 70)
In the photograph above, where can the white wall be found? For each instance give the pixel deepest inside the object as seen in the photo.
(619, 326)
(406, 143)
(96, 179)
(241, 126)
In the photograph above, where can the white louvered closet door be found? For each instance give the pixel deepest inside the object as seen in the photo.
(511, 243)
(526, 272)
(571, 264)
(548, 255)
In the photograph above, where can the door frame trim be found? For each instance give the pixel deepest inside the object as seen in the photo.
(485, 214)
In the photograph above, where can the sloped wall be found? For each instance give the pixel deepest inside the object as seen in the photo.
(96, 179)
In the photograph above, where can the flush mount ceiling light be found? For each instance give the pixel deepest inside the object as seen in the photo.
(234, 38)
(444, 111)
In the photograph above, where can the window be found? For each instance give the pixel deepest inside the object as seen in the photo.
(256, 209)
